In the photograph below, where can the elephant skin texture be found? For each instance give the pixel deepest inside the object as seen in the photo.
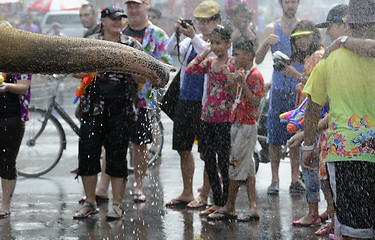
(25, 52)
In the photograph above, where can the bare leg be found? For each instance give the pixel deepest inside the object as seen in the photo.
(310, 217)
(118, 190)
(187, 171)
(141, 158)
(294, 163)
(231, 202)
(275, 156)
(89, 184)
(251, 194)
(203, 195)
(8, 187)
(103, 184)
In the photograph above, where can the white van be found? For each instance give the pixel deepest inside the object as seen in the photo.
(68, 19)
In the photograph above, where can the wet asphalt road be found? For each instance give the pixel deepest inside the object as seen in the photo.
(43, 207)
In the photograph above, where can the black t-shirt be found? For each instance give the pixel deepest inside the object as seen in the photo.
(137, 34)
(9, 102)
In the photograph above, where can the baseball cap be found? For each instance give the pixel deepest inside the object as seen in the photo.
(336, 14)
(207, 9)
(137, 1)
(112, 12)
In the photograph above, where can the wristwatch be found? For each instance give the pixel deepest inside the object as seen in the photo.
(343, 40)
(307, 148)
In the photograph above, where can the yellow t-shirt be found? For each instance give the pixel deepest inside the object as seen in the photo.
(347, 81)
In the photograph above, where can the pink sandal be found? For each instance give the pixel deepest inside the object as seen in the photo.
(316, 217)
(325, 230)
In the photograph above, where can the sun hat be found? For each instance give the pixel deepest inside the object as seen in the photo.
(207, 9)
(336, 14)
(301, 33)
(360, 12)
(137, 1)
(113, 12)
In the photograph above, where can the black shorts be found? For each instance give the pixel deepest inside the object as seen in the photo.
(355, 194)
(112, 129)
(142, 133)
(11, 134)
(186, 124)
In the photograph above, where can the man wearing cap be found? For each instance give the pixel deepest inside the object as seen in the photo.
(189, 107)
(89, 19)
(154, 41)
(334, 23)
(346, 80)
(283, 94)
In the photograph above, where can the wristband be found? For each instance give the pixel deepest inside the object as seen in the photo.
(302, 78)
(307, 148)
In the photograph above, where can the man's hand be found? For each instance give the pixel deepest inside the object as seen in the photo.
(296, 140)
(336, 44)
(309, 160)
(290, 71)
(272, 39)
(188, 32)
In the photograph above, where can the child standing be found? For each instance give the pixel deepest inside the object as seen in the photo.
(215, 127)
(249, 91)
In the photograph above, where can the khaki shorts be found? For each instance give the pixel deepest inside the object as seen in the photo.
(242, 164)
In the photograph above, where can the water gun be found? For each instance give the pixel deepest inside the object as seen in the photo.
(294, 118)
(85, 82)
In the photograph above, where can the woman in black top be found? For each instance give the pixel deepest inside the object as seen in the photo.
(108, 110)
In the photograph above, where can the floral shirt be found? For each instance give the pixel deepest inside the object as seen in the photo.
(244, 112)
(154, 43)
(218, 105)
(310, 63)
(346, 81)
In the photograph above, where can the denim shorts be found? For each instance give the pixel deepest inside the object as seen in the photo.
(280, 102)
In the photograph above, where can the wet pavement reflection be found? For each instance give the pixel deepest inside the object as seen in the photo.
(43, 207)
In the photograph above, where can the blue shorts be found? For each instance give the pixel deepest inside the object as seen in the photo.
(280, 102)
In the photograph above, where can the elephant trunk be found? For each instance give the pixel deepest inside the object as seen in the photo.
(25, 52)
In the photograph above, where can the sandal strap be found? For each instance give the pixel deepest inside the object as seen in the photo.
(87, 204)
(119, 206)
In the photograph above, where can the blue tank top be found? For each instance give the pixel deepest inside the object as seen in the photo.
(192, 85)
(279, 80)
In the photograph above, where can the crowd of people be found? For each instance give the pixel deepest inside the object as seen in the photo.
(220, 91)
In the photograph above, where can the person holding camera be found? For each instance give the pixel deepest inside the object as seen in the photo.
(186, 124)
(276, 37)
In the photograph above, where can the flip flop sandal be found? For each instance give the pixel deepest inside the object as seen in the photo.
(196, 204)
(82, 215)
(139, 198)
(247, 217)
(221, 215)
(116, 215)
(207, 212)
(325, 230)
(176, 203)
(4, 214)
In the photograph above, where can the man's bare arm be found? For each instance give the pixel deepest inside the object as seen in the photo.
(364, 47)
(268, 40)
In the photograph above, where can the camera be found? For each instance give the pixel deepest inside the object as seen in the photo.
(185, 21)
(279, 57)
